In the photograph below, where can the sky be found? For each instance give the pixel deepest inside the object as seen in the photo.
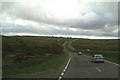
(66, 18)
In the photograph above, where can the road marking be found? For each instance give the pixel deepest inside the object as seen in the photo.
(62, 74)
(112, 63)
(64, 69)
(104, 60)
(59, 78)
(98, 69)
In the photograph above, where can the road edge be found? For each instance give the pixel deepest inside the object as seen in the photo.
(68, 62)
(90, 56)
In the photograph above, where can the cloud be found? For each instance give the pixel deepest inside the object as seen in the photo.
(61, 17)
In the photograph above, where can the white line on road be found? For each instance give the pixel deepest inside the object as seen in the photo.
(98, 69)
(62, 74)
(112, 63)
(105, 60)
(64, 69)
(59, 78)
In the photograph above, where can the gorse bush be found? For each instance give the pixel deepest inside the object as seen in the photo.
(28, 54)
(12, 45)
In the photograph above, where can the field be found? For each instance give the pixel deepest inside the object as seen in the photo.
(96, 44)
(107, 47)
(38, 38)
(28, 54)
(32, 65)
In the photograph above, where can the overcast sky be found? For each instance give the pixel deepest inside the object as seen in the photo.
(73, 18)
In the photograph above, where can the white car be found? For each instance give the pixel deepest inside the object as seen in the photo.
(79, 53)
(98, 58)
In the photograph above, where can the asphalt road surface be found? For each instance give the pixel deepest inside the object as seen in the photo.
(70, 46)
(80, 66)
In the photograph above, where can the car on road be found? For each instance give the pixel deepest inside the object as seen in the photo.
(79, 53)
(98, 58)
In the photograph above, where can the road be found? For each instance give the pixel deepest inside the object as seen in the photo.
(70, 46)
(80, 66)
(75, 68)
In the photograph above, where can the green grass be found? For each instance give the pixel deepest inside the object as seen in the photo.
(31, 46)
(96, 44)
(76, 51)
(32, 65)
(38, 38)
(13, 45)
(108, 56)
(108, 48)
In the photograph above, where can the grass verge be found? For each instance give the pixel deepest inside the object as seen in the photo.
(31, 66)
(111, 56)
(108, 56)
(70, 49)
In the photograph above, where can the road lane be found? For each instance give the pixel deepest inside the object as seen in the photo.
(98, 69)
(70, 46)
(82, 67)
